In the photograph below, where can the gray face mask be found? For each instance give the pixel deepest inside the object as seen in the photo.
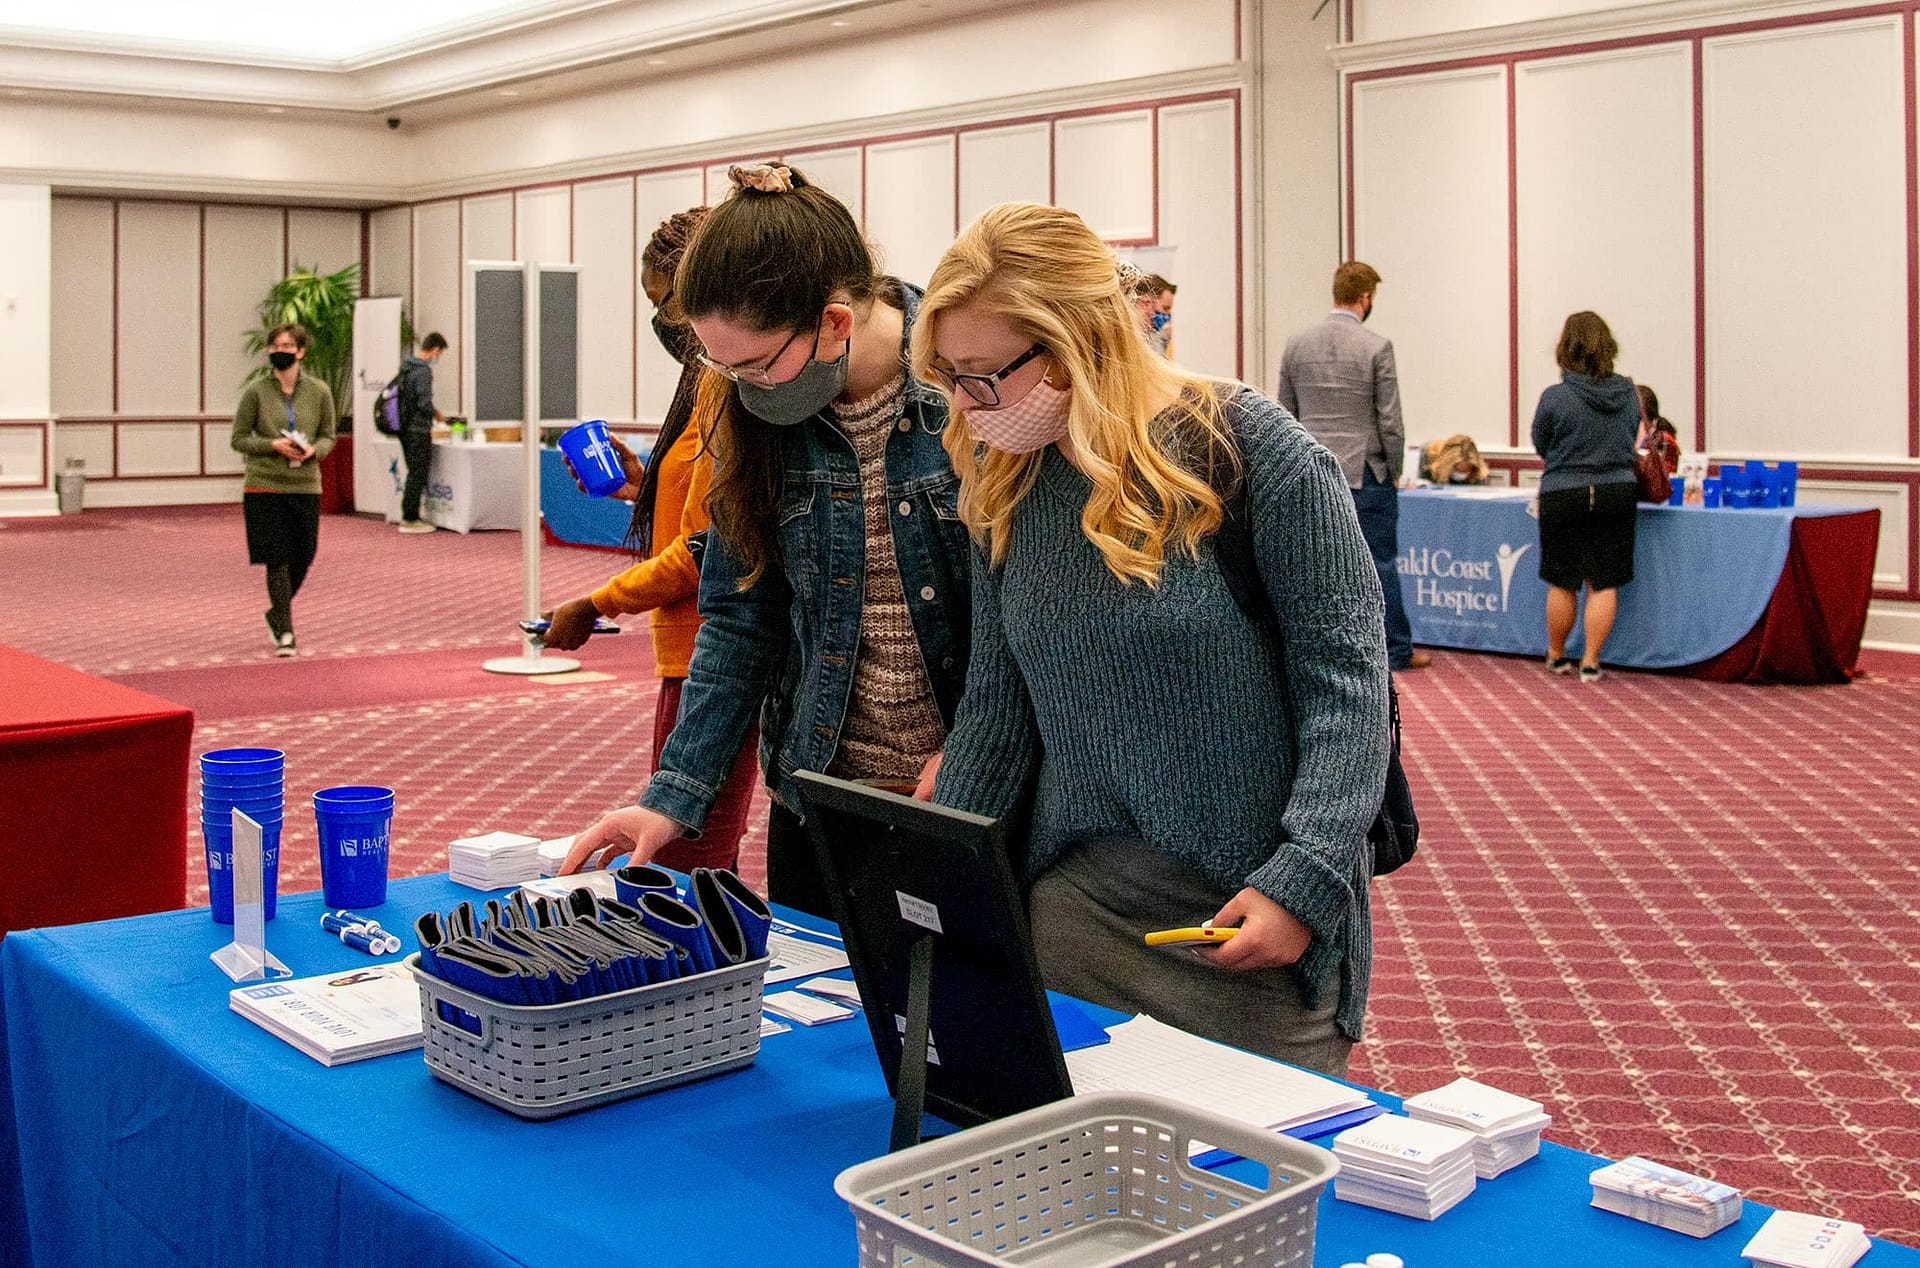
(799, 398)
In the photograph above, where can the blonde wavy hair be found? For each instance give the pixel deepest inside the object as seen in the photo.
(1057, 284)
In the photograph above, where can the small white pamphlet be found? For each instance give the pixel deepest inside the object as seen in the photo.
(805, 1009)
(338, 1017)
(793, 958)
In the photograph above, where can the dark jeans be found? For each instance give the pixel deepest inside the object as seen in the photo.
(416, 449)
(1378, 503)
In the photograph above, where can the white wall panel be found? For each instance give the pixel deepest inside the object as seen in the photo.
(487, 229)
(603, 246)
(390, 252)
(243, 263)
(910, 204)
(82, 306)
(838, 171)
(1891, 562)
(436, 292)
(1410, 19)
(1005, 165)
(1613, 235)
(1430, 199)
(151, 449)
(22, 451)
(92, 443)
(26, 317)
(160, 311)
(657, 196)
(1198, 221)
(1103, 170)
(543, 225)
(323, 240)
(216, 448)
(1806, 239)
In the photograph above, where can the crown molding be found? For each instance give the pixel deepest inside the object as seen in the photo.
(1625, 23)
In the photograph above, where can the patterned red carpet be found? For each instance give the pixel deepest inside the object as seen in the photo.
(1686, 916)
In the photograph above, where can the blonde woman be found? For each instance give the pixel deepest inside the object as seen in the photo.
(1191, 763)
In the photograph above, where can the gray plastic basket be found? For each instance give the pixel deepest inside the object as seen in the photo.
(1096, 1181)
(539, 1061)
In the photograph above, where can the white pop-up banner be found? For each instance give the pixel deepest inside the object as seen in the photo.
(376, 359)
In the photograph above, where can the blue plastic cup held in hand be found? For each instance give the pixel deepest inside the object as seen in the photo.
(589, 449)
(354, 822)
(219, 839)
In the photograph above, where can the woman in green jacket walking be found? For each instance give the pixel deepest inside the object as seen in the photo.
(284, 425)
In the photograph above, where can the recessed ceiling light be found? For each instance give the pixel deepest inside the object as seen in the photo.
(656, 61)
(276, 109)
(839, 22)
(509, 92)
(17, 92)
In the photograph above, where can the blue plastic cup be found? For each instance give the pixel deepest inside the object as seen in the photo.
(243, 779)
(1767, 491)
(220, 869)
(1709, 492)
(221, 816)
(242, 761)
(589, 449)
(354, 822)
(1788, 478)
(1678, 495)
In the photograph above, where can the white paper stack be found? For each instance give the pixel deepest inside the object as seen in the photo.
(1664, 1197)
(494, 861)
(1792, 1240)
(1405, 1166)
(1506, 1128)
(553, 855)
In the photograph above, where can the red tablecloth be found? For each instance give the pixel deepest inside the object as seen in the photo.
(336, 478)
(1812, 627)
(93, 797)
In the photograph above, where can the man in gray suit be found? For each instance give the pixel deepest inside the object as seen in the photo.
(1338, 380)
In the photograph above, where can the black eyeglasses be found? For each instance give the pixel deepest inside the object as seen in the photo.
(756, 374)
(985, 388)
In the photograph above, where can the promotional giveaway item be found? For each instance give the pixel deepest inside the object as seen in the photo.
(1506, 1128)
(494, 860)
(1791, 1240)
(251, 780)
(1402, 1165)
(354, 822)
(589, 450)
(338, 1017)
(1643, 1190)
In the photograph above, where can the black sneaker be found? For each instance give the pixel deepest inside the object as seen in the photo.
(1561, 664)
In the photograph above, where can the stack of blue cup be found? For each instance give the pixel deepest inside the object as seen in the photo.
(253, 781)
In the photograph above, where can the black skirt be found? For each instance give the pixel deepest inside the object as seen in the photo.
(282, 528)
(1586, 536)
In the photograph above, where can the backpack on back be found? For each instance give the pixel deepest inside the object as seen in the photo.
(387, 405)
(1395, 831)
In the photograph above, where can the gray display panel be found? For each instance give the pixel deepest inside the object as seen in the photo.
(559, 339)
(499, 346)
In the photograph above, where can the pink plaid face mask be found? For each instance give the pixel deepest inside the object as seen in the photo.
(1035, 421)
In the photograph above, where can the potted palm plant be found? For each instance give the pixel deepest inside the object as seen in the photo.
(323, 303)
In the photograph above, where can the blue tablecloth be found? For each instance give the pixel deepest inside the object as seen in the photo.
(158, 1128)
(1470, 576)
(571, 515)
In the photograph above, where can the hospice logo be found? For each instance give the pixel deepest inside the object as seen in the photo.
(1459, 585)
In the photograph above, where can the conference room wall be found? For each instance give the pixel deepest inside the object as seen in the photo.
(149, 309)
(1735, 197)
(26, 412)
(1178, 160)
(1369, 20)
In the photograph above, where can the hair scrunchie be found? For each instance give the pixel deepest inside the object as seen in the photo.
(767, 178)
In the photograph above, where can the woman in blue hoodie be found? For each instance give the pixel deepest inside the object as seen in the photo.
(1584, 431)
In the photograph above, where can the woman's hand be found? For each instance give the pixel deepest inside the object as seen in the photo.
(287, 449)
(571, 625)
(1269, 936)
(923, 791)
(635, 830)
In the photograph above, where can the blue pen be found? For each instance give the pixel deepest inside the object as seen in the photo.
(371, 943)
(335, 921)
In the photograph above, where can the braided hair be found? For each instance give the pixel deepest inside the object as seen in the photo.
(662, 254)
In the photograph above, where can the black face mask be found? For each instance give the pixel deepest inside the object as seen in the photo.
(281, 360)
(676, 338)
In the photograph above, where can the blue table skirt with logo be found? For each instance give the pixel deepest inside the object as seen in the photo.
(1702, 578)
(571, 515)
(156, 1127)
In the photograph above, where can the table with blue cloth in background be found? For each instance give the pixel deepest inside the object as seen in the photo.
(155, 1127)
(573, 517)
(1729, 595)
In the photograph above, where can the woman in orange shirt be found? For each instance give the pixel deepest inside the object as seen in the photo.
(669, 511)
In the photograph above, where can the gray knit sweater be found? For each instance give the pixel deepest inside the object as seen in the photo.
(1161, 712)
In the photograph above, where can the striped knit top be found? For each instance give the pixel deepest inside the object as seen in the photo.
(893, 723)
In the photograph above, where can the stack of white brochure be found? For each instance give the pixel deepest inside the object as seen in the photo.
(338, 1017)
(1644, 1190)
(1506, 1128)
(494, 861)
(553, 855)
(1148, 1056)
(1401, 1165)
(1792, 1240)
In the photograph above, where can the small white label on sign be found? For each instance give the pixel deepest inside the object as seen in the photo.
(900, 1028)
(919, 911)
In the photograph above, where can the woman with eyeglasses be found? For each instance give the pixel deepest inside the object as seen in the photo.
(669, 496)
(835, 586)
(1193, 761)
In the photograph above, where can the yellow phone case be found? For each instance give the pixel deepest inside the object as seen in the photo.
(1198, 935)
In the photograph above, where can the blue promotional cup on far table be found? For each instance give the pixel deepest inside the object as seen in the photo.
(1709, 492)
(1678, 494)
(219, 839)
(354, 821)
(589, 450)
(1787, 476)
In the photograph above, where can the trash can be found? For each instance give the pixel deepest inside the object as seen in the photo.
(71, 487)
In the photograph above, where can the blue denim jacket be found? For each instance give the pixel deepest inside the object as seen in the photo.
(786, 645)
